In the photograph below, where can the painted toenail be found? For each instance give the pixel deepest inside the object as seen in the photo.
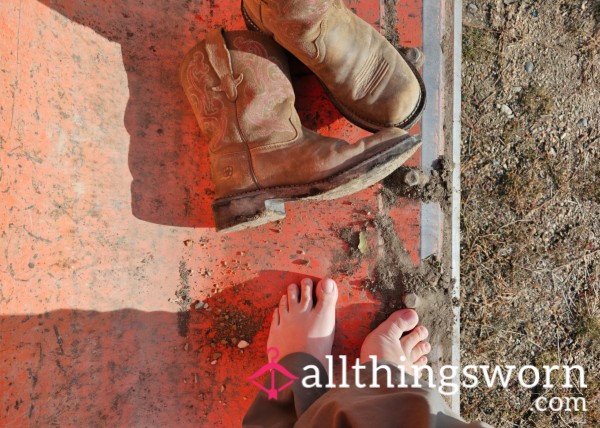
(328, 286)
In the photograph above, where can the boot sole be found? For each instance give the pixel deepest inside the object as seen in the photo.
(258, 207)
(347, 112)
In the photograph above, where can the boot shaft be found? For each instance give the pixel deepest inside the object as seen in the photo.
(239, 87)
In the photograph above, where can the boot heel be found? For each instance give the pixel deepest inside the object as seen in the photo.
(238, 213)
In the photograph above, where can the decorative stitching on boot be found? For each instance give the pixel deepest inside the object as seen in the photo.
(371, 75)
(220, 60)
(229, 85)
(410, 119)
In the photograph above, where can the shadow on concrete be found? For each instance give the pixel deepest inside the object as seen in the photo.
(134, 368)
(168, 157)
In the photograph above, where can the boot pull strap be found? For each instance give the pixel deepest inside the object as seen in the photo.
(219, 58)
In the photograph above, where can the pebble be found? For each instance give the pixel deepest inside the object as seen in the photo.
(472, 8)
(583, 122)
(529, 67)
(411, 300)
(506, 110)
(242, 344)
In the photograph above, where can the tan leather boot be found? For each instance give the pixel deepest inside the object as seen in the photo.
(260, 155)
(369, 81)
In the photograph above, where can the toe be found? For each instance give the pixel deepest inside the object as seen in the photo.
(420, 350)
(283, 305)
(327, 293)
(292, 297)
(275, 319)
(306, 299)
(420, 362)
(399, 322)
(410, 340)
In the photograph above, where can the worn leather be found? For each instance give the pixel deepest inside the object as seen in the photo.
(361, 69)
(239, 88)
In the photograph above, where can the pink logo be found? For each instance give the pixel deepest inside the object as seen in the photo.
(271, 367)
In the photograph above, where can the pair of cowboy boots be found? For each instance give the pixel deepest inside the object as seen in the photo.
(261, 156)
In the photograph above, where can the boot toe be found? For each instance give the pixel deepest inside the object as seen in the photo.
(399, 101)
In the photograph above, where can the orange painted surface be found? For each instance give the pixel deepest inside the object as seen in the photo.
(107, 243)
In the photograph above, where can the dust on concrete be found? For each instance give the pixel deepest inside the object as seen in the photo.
(183, 299)
(230, 325)
(348, 259)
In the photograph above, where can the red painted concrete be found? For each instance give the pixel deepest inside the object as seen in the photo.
(106, 227)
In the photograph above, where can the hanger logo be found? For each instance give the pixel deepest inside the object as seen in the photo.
(271, 367)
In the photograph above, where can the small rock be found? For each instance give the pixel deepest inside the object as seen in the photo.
(213, 362)
(506, 110)
(472, 8)
(411, 300)
(529, 67)
(217, 355)
(574, 59)
(242, 344)
(552, 151)
(188, 242)
(186, 346)
(583, 122)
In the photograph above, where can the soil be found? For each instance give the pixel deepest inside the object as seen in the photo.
(435, 187)
(396, 276)
(530, 249)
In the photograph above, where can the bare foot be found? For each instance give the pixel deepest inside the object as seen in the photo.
(387, 342)
(301, 325)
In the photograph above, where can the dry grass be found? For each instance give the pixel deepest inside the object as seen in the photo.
(531, 206)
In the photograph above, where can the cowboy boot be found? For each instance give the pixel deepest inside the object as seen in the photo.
(368, 80)
(260, 155)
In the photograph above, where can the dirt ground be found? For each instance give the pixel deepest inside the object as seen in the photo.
(531, 201)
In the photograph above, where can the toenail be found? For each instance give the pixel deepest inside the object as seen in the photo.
(306, 281)
(407, 315)
(328, 286)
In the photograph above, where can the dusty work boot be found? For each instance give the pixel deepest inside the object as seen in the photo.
(369, 81)
(260, 155)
